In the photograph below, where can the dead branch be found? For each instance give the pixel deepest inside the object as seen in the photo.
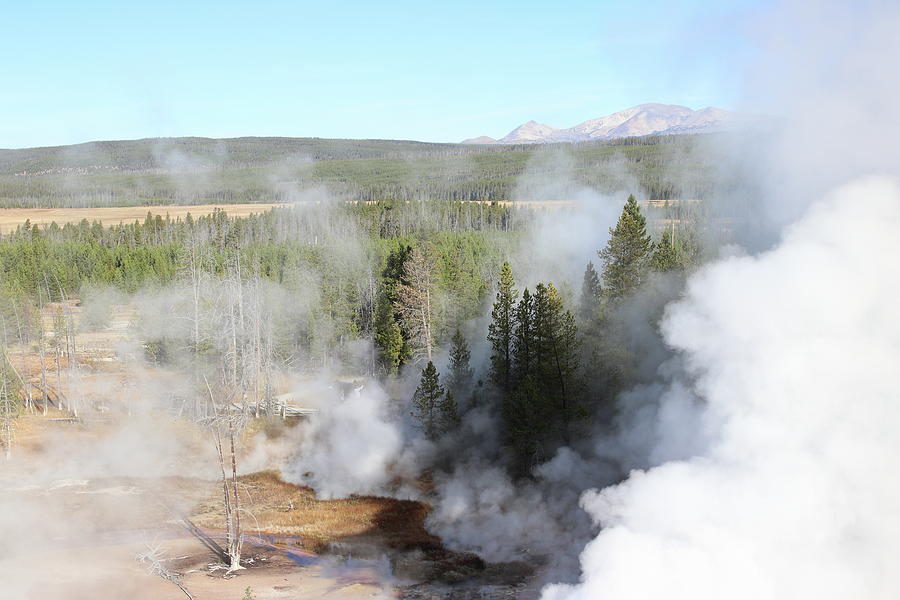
(153, 558)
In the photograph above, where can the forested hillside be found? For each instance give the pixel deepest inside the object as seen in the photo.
(199, 170)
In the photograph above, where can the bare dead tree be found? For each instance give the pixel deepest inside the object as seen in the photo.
(226, 423)
(41, 354)
(29, 400)
(154, 560)
(8, 410)
(416, 306)
(194, 268)
(76, 392)
(257, 337)
(56, 341)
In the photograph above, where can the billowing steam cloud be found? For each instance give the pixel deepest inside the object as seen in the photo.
(793, 353)
(790, 356)
(349, 447)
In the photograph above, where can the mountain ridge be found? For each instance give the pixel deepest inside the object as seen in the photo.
(638, 121)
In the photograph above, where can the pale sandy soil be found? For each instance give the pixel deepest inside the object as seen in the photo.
(80, 499)
(10, 218)
(67, 536)
(111, 571)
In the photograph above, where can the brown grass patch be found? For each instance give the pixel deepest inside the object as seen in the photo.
(287, 509)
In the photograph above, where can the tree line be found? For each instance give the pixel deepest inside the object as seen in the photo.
(128, 173)
(299, 288)
(538, 343)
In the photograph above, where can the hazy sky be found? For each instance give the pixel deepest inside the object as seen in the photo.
(79, 71)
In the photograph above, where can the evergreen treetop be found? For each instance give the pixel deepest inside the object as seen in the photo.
(626, 256)
(665, 254)
(460, 370)
(427, 402)
(591, 292)
(500, 331)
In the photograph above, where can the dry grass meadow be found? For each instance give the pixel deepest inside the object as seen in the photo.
(10, 218)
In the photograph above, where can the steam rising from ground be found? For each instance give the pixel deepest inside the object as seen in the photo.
(349, 447)
(769, 432)
(793, 353)
(789, 356)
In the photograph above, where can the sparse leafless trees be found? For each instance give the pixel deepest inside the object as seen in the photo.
(224, 426)
(416, 304)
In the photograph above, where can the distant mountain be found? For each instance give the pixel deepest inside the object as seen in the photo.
(483, 139)
(529, 132)
(641, 120)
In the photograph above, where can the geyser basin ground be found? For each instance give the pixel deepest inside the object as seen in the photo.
(73, 535)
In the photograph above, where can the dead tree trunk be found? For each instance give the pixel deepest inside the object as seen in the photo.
(6, 413)
(44, 391)
(29, 400)
(234, 536)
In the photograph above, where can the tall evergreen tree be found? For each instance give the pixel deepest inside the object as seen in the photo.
(500, 331)
(557, 352)
(523, 342)
(525, 416)
(567, 353)
(665, 254)
(544, 309)
(388, 338)
(460, 370)
(449, 413)
(427, 402)
(394, 268)
(626, 256)
(590, 294)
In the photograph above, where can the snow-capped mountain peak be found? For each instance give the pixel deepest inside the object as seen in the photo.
(641, 120)
(531, 131)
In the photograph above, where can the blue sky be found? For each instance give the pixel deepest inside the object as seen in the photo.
(79, 71)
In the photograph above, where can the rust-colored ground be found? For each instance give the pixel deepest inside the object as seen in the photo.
(282, 508)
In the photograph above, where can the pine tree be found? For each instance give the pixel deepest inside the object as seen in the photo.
(557, 352)
(460, 371)
(626, 256)
(523, 342)
(525, 414)
(394, 268)
(567, 353)
(427, 402)
(544, 314)
(590, 294)
(388, 338)
(500, 331)
(449, 413)
(665, 255)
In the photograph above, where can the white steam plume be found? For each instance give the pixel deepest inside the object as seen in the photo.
(791, 355)
(349, 447)
(795, 353)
